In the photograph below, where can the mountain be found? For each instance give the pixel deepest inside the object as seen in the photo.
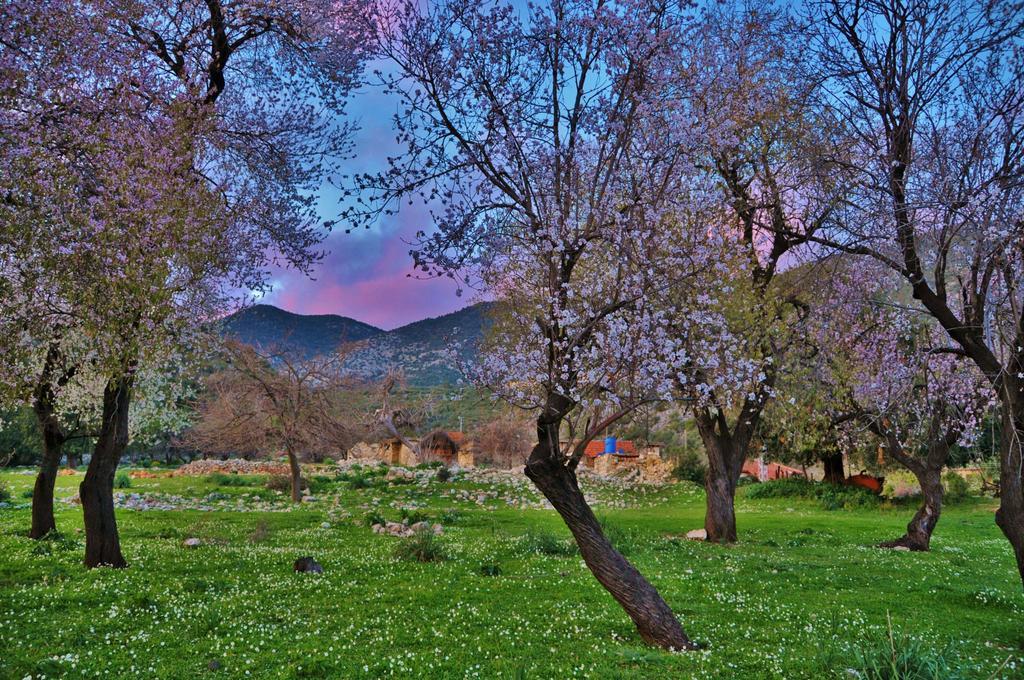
(422, 349)
(308, 335)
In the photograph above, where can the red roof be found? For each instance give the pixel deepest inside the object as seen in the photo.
(458, 437)
(624, 447)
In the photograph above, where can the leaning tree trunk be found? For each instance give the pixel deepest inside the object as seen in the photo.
(650, 613)
(919, 531)
(834, 473)
(102, 543)
(296, 475)
(1010, 515)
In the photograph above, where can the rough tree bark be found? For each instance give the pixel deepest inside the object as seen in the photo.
(45, 407)
(547, 469)
(928, 471)
(42, 493)
(1010, 515)
(726, 450)
(296, 475)
(919, 530)
(102, 543)
(834, 472)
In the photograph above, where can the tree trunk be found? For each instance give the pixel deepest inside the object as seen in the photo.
(44, 405)
(919, 531)
(1010, 515)
(102, 544)
(296, 474)
(834, 473)
(650, 613)
(720, 487)
(42, 494)
(726, 453)
(72, 460)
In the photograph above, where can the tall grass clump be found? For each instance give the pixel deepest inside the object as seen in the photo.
(422, 546)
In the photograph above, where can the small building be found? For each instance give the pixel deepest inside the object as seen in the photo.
(762, 471)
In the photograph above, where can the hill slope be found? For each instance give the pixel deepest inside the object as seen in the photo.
(421, 349)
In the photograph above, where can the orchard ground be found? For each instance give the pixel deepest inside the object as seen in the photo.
(803, 595)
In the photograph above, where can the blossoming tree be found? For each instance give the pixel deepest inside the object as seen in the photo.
(929, 95)
(547, 146)
(155, 158)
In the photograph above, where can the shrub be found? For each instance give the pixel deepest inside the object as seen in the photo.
(360, 481)
(443, 474)
(955, 487)
(889, 656)
(54, 541)
(122, 481)
(221, 479)
(490, 569)
(545, 542)
(373, 517)
(449, 517)
(5, 492)
(791, 487)
(279, 483)
(422, 546)
(411, 515)
(689, 467)
(831, 496)
(27, 493)
(319, 483)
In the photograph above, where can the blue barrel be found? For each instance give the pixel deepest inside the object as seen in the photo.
(609, 444)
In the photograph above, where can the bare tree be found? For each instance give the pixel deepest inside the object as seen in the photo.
(265, 402)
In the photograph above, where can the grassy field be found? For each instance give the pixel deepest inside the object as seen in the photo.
(804, 595)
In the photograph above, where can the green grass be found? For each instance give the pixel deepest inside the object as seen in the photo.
(803, 595)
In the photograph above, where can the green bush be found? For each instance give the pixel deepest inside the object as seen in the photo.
(690, 468)
(955, 487)
(373, 517)
(279, 483)
(791, 487)
(122, 481)
(889, 656)
(221, 479)
(360, 481)
(5, 492)
(545, 542)
(52, 542)
(443, 474)
(422, 546)
(27, 493)
(830, 496)
(412, 516)
(490, 569)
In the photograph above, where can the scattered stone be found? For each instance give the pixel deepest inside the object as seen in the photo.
(902, 548)
(192, 542)
(308, 499)
(325, 525)
(399, 473)
(308, 565)
(438, 530)
(697, 535)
